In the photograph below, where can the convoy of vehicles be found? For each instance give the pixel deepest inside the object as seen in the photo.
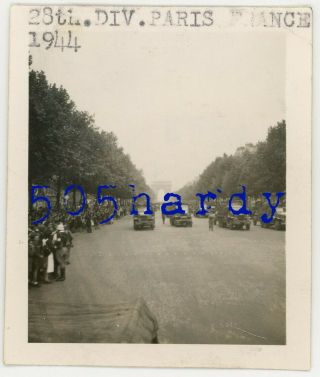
(182, 220)
(221, 215)
(279, 218)
(225, 219)
(142, 221)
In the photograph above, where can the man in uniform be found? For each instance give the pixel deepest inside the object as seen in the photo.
(60, 241)
(211, 222)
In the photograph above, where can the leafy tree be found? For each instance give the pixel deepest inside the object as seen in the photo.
(66, 147)
(260, 169)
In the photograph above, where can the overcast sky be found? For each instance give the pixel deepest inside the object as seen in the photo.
(175, 100)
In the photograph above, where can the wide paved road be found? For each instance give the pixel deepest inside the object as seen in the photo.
(225, 286)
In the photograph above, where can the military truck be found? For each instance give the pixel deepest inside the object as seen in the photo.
(226, 219)
(182, 220)
(279, 218)
(142, 221)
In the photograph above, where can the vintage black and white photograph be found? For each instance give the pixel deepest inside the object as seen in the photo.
(207, 122)
(157, 165)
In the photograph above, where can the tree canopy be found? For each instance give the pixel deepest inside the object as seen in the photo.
(66, 146)
(261, 168)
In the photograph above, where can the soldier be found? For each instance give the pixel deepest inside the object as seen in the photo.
(37, 258)
(31, 253)
(60, 241)
(68, 243)
(47, 248)
(211, 222)
(88, 222)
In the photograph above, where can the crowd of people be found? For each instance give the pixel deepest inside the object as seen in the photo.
(52, 240)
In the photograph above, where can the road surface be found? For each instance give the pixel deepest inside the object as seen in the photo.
(225, 286)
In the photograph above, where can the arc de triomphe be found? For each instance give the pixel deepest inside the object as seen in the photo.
(158, 186)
